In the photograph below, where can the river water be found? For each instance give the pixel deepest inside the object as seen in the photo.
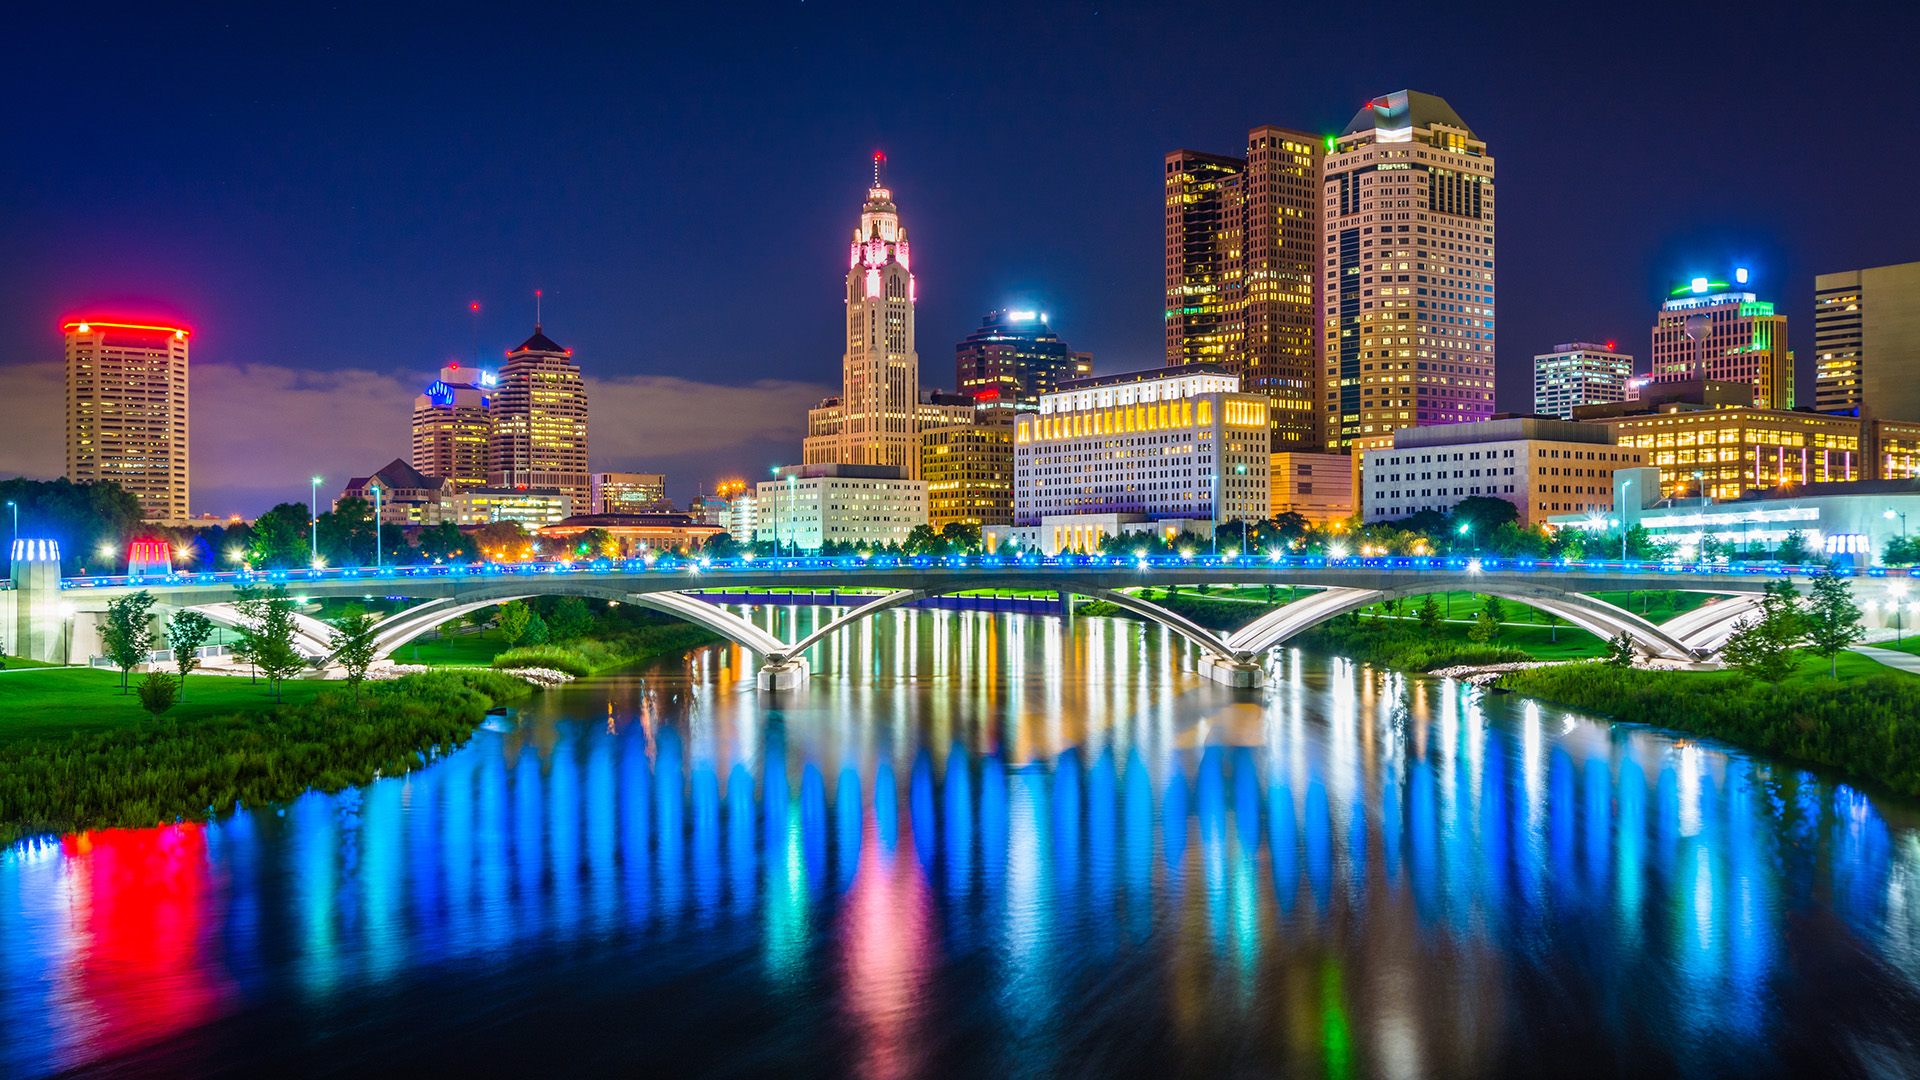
(992, 845)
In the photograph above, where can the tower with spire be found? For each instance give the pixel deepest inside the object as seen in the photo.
(875, 422)
(539, 411)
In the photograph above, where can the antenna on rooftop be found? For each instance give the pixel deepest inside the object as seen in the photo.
(879, 160)
(475, 308)
(536, 310)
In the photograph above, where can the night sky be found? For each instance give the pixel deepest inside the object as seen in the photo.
(321, 192)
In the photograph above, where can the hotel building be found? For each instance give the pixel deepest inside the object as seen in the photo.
(1241, 240)
(127, 411)
(1579, 373)
(1013, 358)
(1541, 466)
(1408, 290)
(1717, 330)
(453, 426)
(1866, 336)
(539, 414)
(807, 506)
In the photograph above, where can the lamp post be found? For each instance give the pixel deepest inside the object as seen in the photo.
(1700, 481)
(15, 507)
(313, 519)
(376, 527)
(1213, 494)
(1626, 486)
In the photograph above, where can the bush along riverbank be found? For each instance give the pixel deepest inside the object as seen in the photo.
(1868, 726)
(585, 656)
(195, 770)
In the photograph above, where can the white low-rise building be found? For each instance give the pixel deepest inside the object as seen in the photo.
(808, 506)
(1541, 466)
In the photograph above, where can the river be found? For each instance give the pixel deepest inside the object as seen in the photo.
(994, 845)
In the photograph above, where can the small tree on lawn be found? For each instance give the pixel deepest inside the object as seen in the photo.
(127, 635)
(157, 692)
(1620, 650)
(1486, 628)
(1496, 609)
(513, 622)
(1832, 619)
(354, 641)
(187, 633)
(1430, 618)
(1764, 647)
(570, 619)
(268, 630)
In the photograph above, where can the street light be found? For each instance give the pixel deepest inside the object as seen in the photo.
(15, 507)
(313, 518)
(1889, 515)
(1625, 486)
(1700, 480)
(376, 527)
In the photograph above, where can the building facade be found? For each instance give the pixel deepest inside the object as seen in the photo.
(630, 493)
(127, 411)
(403, 495)
(1180, 442)
(1866, 335)
(453, 426)
(532, 507)
(1408, 293)
(968, 470)
(805, 507)
(1541, 466)
(1241, 237)
(1013, 358)
(874, 421)
(539, 415)
(1718, 330)
(1579, 373)
(1318, 487)
(631, 535)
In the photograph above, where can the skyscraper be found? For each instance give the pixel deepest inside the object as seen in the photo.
(1866, 333)
(127, 411)
(1241, 235)
(453, 426)
(1013, 358)
(539, 414)
(1409, 287)
(1579, 373)
(1709, 329)
(880, 370)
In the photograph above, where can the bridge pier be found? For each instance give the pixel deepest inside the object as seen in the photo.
(1230, 672)
(784, 675)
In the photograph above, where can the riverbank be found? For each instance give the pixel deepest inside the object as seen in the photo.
(589, 656)
(1866, 723)
(129, 771)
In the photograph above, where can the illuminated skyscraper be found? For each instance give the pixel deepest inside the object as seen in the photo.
(127, 411)
(1719, 330)
(453, 426)
(1014, 358)
(1866, 333)
(1579, 373)
(1409, 285)
(540, 422)
(1241, 235)
(880, 370)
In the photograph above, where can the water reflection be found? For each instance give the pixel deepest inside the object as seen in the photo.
(997, 845)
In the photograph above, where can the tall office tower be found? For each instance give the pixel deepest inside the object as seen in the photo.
(1241, 235)
(453, 426)
(880, 371)
(1409, 287)
(1579, 373)
(540, 421)
(1013, 358)
(127, 411)
(1717, 330)
(1866, 333)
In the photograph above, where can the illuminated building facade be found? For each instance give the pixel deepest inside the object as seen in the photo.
(1709, 329)
(1866, 335)
(1180, 442)
(127, 411)
(805, 507)
(406, 496)
(539, 414)
(968, 470)
(1729, 451)
(874, 422)
(1241, 241)
(630, 493)
(1013, 358)
(1408, 291)
(1579, 373)
(1541, 466)
(1318, 487)
(453, 426)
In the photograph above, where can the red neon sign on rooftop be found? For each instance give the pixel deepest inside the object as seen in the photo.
(87, 326)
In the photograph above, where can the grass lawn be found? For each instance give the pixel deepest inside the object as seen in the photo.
(462, 650)
(18, 662)
(54, 703)
(1658, 605)
(1911, 644)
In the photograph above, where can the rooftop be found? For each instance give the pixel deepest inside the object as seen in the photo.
(1405, 109)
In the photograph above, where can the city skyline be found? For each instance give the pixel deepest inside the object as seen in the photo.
(1087, 252)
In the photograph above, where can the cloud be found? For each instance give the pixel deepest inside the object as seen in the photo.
(260, 432)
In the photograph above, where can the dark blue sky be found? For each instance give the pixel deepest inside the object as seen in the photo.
(329, 187)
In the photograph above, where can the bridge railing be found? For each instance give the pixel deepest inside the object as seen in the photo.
(1011, 563)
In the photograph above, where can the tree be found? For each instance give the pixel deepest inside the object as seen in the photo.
(537, 632)
(127, 636)
(157, 692)
(87, 519)
(1763, 648)
(1486, 628)
(280, 539)
(1901, 551)
(446, 543)
(1794, 550)
(922, 541)
(267, 632)
(187, 632)
(1430, 617)
(1832, 619)
(1493, 607)
(1620, 650)
(514, 617)
(1553, 627)
(1483, 514)
(355, 643)
(961, 537)
(592, 544)
(569, 619)
(501, 539)
(1290, 525)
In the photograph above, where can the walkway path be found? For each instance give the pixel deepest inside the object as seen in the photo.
(1893, 658)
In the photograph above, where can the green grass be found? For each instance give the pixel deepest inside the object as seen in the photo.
(459, 650)
(1910, 644)
(1658, 605)
(16, 663)
(87, 701)
(587, 656)
(1866, 723)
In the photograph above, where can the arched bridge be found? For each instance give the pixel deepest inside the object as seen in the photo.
(1342, 585)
